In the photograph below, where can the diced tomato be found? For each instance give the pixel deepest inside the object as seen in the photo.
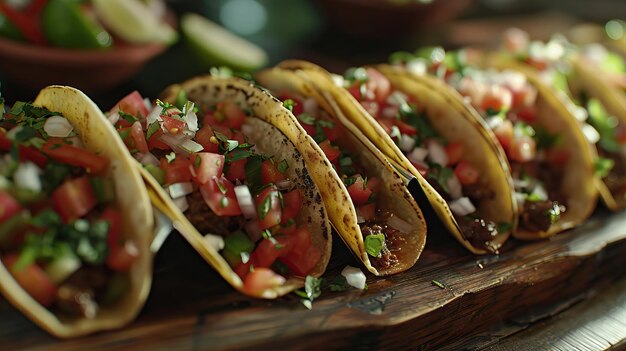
(173, 125)
(8, 206)
(266, 253)
(374, 184)
(421, 167)
(122, 257)
(372, 108)
(620, 134)
(300, 239)
(524, 96)
(293, 204)
(455, 152)
(176, 171)
(234, 115)
(5, 143)
(379, 84)
(333, 133)
(359, 193)
(33, 279)
(308, 128)
(497, 98)
(504, 134)
(74, 198)
(155, 141)
(114, 218)
(406, 128)
(297, 107)
(210, 165)
(269, 173)
(71, 155)
(302, 263)
(203, 137)
(466, 173)
(261, 279)
(242, 269)
(139, 137)
(538, 64)
(523, 149)
(527, 114)
(268, 207)
(355, 90)
(368, 211)
(29, 153)
(238, 135)
(331, 152)
(132, 104)
(557, 157)
(219, 194)
(236, 170)
(210, 119)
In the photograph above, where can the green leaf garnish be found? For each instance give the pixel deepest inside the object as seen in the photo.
(152, 128)
(603, 166)
(282, 166)
(374, 243)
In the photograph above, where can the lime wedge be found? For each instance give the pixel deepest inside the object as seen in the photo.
(217, 46)
(134, 21)
(65, 25)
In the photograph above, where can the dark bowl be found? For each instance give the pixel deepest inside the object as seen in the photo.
(380, 19)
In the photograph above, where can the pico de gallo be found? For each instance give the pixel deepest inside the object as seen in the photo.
(439, 161)
(240, 198)
(601, 128)
(381, 230)
(61, 234)
(506, 100)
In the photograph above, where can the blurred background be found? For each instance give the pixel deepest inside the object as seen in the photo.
(333, 33)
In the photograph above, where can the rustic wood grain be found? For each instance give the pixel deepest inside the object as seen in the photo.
(191, 308)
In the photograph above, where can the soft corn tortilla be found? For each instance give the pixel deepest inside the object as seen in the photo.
(453, 120)
(132, 199)
(393, 197)
(272, 136)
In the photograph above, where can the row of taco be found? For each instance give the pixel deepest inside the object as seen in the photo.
(255, 178)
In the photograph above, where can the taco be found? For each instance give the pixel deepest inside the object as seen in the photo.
(552, 164)
(592, 80)
(422, 128)
(238, 183)
(367, 201)
(75, 218)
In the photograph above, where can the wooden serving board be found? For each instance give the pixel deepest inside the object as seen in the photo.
(191, 308)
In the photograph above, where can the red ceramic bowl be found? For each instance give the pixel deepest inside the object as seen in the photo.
(34, 67)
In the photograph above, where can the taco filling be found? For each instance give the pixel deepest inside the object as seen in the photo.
(382, 231)
(440, 162)
(238, 197)
(602, 128)
(60, 231)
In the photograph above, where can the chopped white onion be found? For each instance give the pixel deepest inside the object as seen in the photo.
(337, 79)
(215, 241)
(359, 217)
(494, 122)
(578, 111)
(57, 126)
(455, 187)
(181, 203)
(147, 103)
(177, 190)
(399, 224)
(417, 66)
(590, 133)
(462, 206)
(407, 143)
(309, 105)
(26, 176)
(520, 184)
(437, 153)
(397, 99)
(191, 146)
(354, 277)
(192, 120)
(390, 112)
(154, 115)
(62, 267)
(286, 184)
(147, 159)
(114, 117)
(174, 141)
(418, 155)
(246, 202)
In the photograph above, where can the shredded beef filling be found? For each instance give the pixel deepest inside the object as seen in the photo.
(205, 221)
(540, 215)
(393, 244)
(616, 179)
(478, 232)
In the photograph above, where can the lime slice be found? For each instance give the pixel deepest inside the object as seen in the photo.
(65, 25)
(134, 21)
(217, 46)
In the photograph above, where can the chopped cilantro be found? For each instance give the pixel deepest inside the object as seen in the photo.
(604, 124)
(198, 161)
(545, 139)
(253, 172)
(306, 118)
(438, 284)
(127, 117)
(440, 175)
(326, 124)
(339, 283)
(238, 154)
(282, 166)
(554, 213)
(374, 244)
(602, 166)
(288, 104)
(165, 105)
(264, 207)
(224, 201)
(181, 99)
(225, 144)
(152, 128)
(312, 290)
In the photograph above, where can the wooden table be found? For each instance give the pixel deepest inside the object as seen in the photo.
(484, 301)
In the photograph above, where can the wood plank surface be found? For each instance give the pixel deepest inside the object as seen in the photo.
(191, 308)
